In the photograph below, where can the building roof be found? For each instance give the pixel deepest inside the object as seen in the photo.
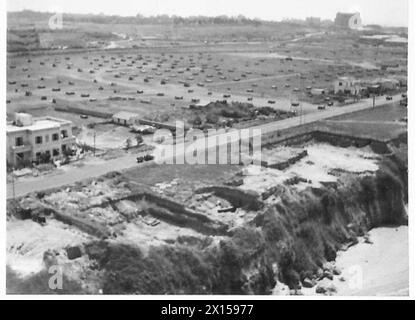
(41, 123)
(343, 19)
(342, 15)
(125, 115)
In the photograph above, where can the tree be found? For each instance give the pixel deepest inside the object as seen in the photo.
(139, 139)
(45, 157)
(212, 118)
(128, 143)
(197, 121)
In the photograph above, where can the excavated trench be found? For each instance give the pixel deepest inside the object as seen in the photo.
(289, 240)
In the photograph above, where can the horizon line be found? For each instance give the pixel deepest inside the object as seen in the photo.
(285, 19)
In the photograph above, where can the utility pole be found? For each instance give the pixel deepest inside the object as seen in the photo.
(95, 133)
(302, 115)
(374, 101)
(14, 190)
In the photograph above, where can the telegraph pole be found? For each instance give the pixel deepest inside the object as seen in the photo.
(301, 114)
(14, 190)
(95, 133)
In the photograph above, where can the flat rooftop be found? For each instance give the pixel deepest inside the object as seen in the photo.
(38, 124)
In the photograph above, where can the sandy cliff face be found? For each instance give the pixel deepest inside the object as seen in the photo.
(289, 238)
(306, 229)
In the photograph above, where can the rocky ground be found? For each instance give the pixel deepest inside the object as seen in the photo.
(245, 230)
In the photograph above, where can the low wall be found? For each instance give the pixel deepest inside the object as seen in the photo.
(237, 197)
(173, 212)
(318, 132)
(158, 125)
(94, 113)
(290, 161)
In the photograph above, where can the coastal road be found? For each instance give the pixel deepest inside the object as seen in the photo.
(99, 167)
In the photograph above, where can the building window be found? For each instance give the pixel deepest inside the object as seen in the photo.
(64, 134)
(38, 155)
(340, 84)
(19, 141)
(38, 140)
(55, 152)
(19, 158)
(46, 138)
(55, 137)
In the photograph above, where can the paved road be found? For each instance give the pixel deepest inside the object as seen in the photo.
(91, 170)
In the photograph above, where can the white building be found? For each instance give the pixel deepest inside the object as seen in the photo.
(28, 139)
(126, 118)
(346, 85)
(348, 21)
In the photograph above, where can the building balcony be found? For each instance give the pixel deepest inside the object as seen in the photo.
(22, 148)
(71, 139)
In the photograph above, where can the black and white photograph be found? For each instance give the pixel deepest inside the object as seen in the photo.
(207, 148)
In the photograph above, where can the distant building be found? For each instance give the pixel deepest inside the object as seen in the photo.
(126, 118)
(384, 39)
(346, 85)
(318, 91)
(389, 66)
(348, 20)
(28, 139)
(389, 84)
(313, 21)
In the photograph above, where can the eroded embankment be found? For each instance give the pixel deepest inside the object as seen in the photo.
(241, 238)
(288, 241)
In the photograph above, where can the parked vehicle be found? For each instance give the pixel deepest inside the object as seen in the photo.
(404, 102)
(147, 157)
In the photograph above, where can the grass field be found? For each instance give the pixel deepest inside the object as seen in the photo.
(382, 123)
(387, 113)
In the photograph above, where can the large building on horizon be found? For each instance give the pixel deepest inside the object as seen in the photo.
(351, 21)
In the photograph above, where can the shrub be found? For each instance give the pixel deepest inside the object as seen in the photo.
(212, 118)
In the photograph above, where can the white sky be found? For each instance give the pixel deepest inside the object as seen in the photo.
(385, 12)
